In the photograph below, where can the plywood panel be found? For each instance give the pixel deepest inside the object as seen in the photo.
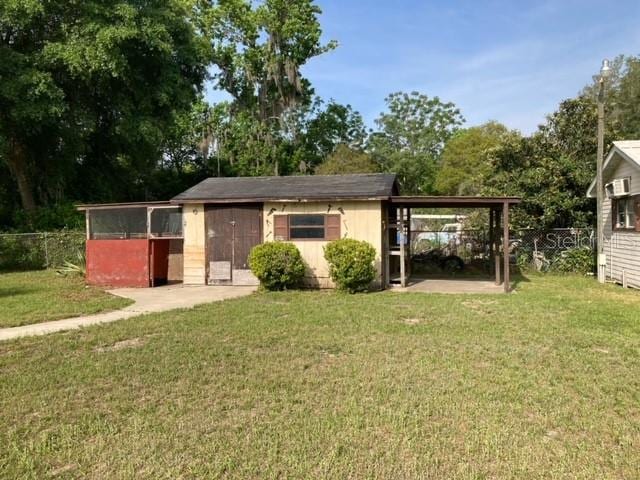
(194, 244)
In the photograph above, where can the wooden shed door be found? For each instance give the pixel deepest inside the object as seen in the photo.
(232, 231)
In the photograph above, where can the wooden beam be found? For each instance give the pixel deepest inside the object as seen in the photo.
(491, 241)
(505, 245)
(496, 256)
(400, 233)
(408, 239)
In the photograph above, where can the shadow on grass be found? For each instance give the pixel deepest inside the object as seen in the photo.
(15, 291)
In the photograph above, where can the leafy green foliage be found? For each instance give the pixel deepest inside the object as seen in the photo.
(93, 89)
(258, 49)
(576, 260)
(465, 163)
(351, 264)
(621, 97)
(302, 138)
(278, 265)
(411, 137)
(345, 160)
(41, 250)
(551, 170)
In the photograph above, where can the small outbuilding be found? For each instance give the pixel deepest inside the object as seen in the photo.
(204, 235)
(621, 212)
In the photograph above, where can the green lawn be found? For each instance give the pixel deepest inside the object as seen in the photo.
(543, 383)
(40, 296)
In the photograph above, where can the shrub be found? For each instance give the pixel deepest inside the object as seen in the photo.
(351, 264)
(40, 250)
(524, 259)
(278, 265)
(575, 260)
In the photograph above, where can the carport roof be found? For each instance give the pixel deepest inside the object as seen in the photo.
(301, 187)
(446, 202)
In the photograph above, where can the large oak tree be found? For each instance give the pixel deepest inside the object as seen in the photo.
(88, 88)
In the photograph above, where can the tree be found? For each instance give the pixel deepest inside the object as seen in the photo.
(628, 100)
(305, 136)
(622, 97)
(346, 160)
(465, 159)
(259, 50)
(314, 132)
(411, 137)
(87, 90)
(552, 169)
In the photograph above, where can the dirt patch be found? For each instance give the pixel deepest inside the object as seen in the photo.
(61, 470)
(412, 321)
(122, 344)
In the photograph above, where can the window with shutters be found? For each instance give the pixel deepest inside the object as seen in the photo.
(307, 227)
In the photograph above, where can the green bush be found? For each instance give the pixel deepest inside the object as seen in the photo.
(351, 264)
(278, 265)
(40, 250)
(524, 259)
(575, 260)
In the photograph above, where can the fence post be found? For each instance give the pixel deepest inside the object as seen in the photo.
(46, 251)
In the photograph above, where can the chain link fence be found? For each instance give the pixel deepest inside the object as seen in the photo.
(558, 249)
(32, 251)
(561, 249)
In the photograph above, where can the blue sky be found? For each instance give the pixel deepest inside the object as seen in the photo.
(510, 61)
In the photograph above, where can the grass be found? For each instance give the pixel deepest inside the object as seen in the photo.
(40, 296)
(542, 383)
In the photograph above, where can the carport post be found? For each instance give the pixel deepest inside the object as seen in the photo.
(403, 272)
(505, 245)
(496, 245)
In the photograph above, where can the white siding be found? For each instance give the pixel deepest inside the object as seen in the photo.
(622, 248)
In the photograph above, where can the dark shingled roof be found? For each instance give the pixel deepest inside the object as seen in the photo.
(307, 187)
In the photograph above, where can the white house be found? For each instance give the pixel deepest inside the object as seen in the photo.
(621, 211)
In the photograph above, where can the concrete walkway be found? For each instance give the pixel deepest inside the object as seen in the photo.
(147, 300)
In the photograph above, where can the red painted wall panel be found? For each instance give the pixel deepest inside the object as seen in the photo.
(118, 263)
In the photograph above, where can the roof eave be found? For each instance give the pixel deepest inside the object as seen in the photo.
(207, 200)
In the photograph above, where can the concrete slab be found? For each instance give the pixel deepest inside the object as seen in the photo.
(147, 300)
(438, 285)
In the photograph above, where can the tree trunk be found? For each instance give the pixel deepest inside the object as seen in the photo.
(17, 161)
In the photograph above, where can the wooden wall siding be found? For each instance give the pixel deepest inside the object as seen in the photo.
(362, 220)
(194, 245)
(622, 248)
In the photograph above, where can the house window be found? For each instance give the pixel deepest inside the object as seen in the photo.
(307, 227)
(625, 217)
(303, 227)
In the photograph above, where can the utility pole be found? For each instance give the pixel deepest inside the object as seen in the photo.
(602, 260)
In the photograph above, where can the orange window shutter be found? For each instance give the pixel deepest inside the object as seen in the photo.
(332, 227)
(281, 227)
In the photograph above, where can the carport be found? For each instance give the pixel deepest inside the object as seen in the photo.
(398, 231)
